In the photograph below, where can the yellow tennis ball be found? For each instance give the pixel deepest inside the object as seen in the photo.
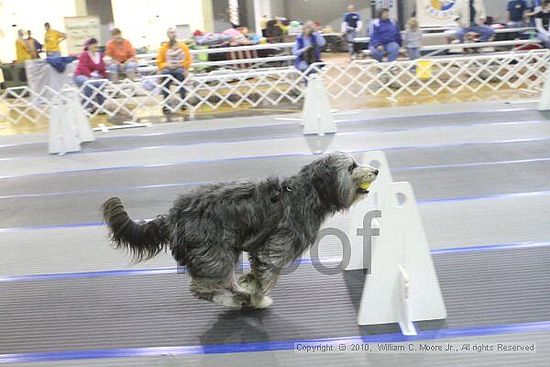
(365, 185)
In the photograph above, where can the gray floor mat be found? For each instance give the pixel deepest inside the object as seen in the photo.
(480, 289)
(279, 131)
(233, 169)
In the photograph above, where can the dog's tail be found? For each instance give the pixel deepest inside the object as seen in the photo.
(143, 240)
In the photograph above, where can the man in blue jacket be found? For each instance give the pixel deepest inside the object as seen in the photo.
(385, 37)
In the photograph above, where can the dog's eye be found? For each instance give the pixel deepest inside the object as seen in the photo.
(352, 167)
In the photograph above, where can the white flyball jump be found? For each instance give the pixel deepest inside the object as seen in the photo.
(358, 212)
(401, 285)
(69, 126)
(316, 118)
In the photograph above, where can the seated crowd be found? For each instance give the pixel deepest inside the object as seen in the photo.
(174, 58)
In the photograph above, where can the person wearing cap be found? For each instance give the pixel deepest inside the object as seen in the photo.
(122, 54)
(89, 71)
(174, 59)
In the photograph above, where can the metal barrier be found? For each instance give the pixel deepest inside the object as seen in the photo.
(359, 79)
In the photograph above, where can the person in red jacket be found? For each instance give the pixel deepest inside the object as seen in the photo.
(89, 72)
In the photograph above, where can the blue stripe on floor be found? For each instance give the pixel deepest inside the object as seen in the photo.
(274, 346)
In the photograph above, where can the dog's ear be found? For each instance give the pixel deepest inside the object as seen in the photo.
(325, 181)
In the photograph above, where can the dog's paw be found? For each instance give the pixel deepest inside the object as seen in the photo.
(227, 299)
(243, 299)
(264, 302)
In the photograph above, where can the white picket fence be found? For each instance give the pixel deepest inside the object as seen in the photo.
(359, 79)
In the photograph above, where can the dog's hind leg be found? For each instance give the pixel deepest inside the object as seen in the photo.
(222, 292)
(252, 283)
(260, 280)
(267, 263)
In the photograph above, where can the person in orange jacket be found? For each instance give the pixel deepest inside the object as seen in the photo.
(173, 59)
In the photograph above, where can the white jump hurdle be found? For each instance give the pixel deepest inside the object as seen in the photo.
(357, 214)
(316, 118)
(401, 285)
(69, 126)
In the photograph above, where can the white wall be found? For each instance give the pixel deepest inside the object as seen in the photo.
(144, 22)
(278, 8)
(31, 15)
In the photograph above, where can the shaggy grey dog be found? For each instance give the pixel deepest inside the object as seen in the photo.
(274, 220)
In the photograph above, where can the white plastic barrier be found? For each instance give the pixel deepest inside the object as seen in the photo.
(69, 126)
(63, 136)
(317, 118)
(401, 285)
(356, 217)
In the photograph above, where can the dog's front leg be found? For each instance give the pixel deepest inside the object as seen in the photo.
(258, 293)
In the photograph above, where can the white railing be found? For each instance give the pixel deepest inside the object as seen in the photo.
(148, 60)
(148, 65)
(251, 63)
(359, 79)
(447, 32)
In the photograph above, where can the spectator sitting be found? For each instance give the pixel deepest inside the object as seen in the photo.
(413, 39)
(273, 32)
(542, 22)
(517, 10)
(173, 59)
(123, 56)
(23, 49)
(471, 18)
(351, 25)
(384, 36)
(239, 36)
(284, 24)
(263, 25)
(90, 69)
(308, 46)
(35, 45)
(52, 38)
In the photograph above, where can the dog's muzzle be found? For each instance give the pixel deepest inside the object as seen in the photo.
(368, 178)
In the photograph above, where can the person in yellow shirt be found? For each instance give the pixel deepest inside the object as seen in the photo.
(52, 38)
(173, 59)
(23, 51)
